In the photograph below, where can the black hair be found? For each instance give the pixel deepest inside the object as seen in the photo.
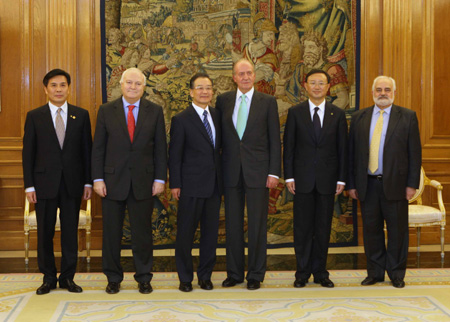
(318, 71)
(53, 73)
(198, 75)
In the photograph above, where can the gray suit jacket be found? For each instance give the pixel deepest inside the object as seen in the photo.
(402, 154)
(259, 152)
(123, 164)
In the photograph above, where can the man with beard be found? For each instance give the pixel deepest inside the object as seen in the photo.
(315, 51)
(384, 171)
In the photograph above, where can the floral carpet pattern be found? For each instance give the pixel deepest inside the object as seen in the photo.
(425, 298)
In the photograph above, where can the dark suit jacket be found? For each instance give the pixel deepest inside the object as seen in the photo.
(310, 163)
(123, 164)
(259, 152)
(402, 154)
(44, 162)
(194, 163)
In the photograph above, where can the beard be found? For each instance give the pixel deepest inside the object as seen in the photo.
(383, 101)
(310, 59)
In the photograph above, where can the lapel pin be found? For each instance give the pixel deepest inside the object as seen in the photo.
(74, 117)
(332, 113)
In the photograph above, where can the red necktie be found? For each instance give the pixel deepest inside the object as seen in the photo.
(131, 122)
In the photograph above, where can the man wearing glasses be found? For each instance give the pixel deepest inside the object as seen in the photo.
(315, 169)
(196, 182)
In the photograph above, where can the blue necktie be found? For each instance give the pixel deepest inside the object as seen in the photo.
(207, 126)
(241, 122)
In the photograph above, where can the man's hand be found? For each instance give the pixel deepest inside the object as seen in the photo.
(31, 196)
(176, 193)
(271, 182)
(87, 194)
(410, 193)
(100, 188)
(353, 193)
(157, 188)
(291, 186)
(339, 189)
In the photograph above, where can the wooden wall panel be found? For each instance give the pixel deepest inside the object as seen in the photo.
(405, 39)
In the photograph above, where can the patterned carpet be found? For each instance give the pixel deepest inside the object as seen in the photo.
(426, 297)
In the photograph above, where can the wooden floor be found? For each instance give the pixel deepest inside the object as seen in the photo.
(278, 260)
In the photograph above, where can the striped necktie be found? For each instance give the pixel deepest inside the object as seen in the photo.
(207, 126)
(59, 127)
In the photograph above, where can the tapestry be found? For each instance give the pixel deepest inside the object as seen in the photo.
(171, 40)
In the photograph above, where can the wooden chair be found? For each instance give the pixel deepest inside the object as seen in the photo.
(426, 216)
(30, 223)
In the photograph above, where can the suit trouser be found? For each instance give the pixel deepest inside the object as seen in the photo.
(313, 214)
(191, 212)
(46, 210)
(257, 209)
(376, 209)
(140, 214)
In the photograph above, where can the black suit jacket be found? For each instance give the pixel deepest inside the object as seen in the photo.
(123, 164)
(321, 163)
(259, 152)
(402, 154)
(194, 163)
(44, 162)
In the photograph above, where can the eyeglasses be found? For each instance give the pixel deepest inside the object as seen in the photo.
(201, 88)
(320, 84)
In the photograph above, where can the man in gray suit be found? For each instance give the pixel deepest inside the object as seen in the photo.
(129, 167)
(251, 155)
(385, 157)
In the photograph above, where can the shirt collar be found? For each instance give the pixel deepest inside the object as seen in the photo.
(125, 103)
(200, 110)
(249, 94)
(312, 106)
(54, 108)
(377, 110)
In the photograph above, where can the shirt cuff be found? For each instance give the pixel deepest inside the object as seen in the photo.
(289, 180)
(271, 175)
(97, 180)
(30, 189)
(341, 182)
(88, 186)
(160, 181)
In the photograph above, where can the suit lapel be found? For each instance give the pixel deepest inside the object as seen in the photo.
(393, 120)
(217, 125)
(305, 115)
(71, 119)
(144, 110)
(47, 119)
(228, 112)
(252, 119)
(192, 113)
(328, 117)
(366, 119)
(120, 115)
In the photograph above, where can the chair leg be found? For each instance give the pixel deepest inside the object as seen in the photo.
(418, 240)
(442, 242)
(27, 245)
(88, 245)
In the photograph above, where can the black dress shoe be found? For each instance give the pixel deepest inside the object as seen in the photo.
(206, 284)
(300, 282)
(145, 287)
(185, 286)
(70, 286)
(253, 284)
(371, 280)
(229, 282)
(45, 288)
(325, 282)
(112, 288)
(398, 283)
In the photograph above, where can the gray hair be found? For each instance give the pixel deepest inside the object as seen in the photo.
(132, 69)
(383, 77)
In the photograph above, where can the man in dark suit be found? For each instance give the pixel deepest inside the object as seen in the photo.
(315, 169)
(251, 155)
(196, 181)
(56, 155)
(129, 167)
(385, 157)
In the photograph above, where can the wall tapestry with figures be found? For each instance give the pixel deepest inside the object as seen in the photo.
(170, 40)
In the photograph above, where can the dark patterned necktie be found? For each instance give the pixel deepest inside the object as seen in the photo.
(59, 127)
(207, 126)
(316, 123)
